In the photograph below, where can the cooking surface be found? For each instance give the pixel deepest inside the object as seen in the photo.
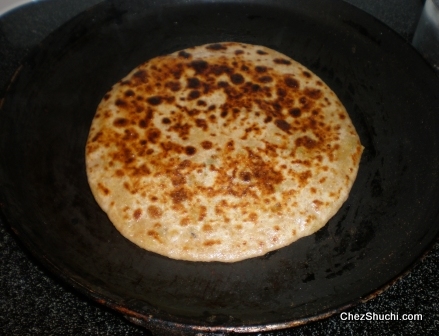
(34, 301)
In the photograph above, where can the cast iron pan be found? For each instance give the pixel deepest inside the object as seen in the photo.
(388, 222)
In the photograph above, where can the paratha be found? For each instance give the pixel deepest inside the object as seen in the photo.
(221, 152)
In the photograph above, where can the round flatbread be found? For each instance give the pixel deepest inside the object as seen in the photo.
(221, 152)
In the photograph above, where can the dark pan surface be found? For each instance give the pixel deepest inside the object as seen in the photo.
(388, 222)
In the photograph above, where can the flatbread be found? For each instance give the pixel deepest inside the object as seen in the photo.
(221, 152)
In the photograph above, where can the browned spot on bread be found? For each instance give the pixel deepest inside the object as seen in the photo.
(207, 144)
(306, 142)
(216, 46)
(185, 221)
(291, 82)
(190, 150)
(184, 54)
(154, 212)
(179, 195)
(103, 189)
(283, 125)
(282, 61)
(207, 228)
(211, 242)
(137, 214)
(155, 100)
(155, 235)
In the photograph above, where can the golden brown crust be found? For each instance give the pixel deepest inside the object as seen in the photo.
(221, 152)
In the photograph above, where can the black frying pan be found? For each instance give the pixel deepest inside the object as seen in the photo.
(388, 222)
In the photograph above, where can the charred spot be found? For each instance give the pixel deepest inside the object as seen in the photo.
(153, 135)
(255, 87)
(202, 123)
(143, 123)
(218, 70)
(216, 46)
(239, 52)
(121, 103)
(261, 69)
(313, 93)
(184, 54)
(245, 68)
(206, 87)
(207, 144)
(120, 122)
(166, 121)
(194, 94)
(281, 92)
(141, 76)
(211, 107)
(277, 107)
(201, 103)
(139, 109)
(291, 82)
(224, 114)
(306, 74)
(129, 93)
(193, 83)
(268, 119)
(306, 142)
(223, 84)
(173, 86)
(261, 52)
(303, 100)
(143, 142)
(281, 61)
(295, 112)
(245, 176)
(283, 125)
(107, 96)
(154, 212)
(154, 100)
(199, 66)
(265, 79)
(137, 213)
(190, 150)
(237, 79)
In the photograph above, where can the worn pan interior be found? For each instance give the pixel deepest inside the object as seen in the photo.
(389, 220)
